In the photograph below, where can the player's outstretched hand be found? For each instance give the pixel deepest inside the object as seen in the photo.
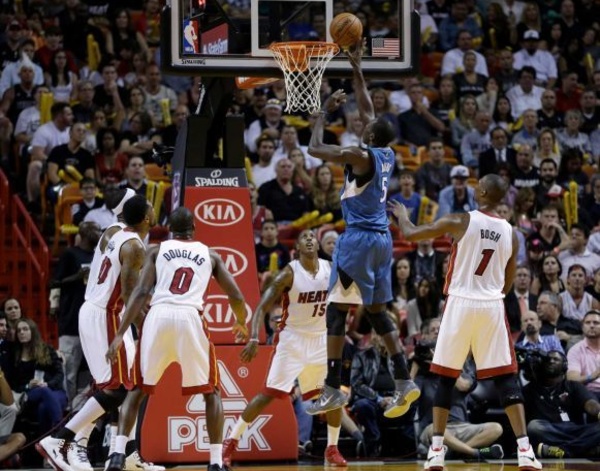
(355, 52)
(240, 332)
(113, 350)
(335, 100)
(249, 351)
(397, 209)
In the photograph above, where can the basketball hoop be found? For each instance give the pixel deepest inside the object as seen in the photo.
(303, 64)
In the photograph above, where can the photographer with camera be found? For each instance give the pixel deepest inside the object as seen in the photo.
(461, 437)
(556, 408)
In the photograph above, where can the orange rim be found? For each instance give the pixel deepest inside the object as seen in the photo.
(294, 56)
(247, 83)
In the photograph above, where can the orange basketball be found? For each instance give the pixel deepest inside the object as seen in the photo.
(346, 29)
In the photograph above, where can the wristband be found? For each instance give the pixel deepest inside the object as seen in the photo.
(253, 340)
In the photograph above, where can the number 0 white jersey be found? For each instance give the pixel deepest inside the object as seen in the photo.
(104, 283)
(183, 270)
(305, 302)
(478, 261)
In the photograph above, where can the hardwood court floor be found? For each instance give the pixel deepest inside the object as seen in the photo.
(505, 465)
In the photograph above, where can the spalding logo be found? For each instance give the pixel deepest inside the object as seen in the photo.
(219, 212)
(235, 261)
(218, 314)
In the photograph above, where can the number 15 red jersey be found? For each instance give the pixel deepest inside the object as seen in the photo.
(183, 270)
(478, 260)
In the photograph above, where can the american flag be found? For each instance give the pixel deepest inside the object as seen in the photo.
(385, 47)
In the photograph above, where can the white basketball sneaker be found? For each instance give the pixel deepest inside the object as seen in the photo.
(78, 458)
(134, 462)
(528, 461)
(53, 449)
(435, 459)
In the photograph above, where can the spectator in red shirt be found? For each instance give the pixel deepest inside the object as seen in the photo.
(569, 94)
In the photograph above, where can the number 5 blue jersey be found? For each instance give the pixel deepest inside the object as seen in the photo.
(364, 197)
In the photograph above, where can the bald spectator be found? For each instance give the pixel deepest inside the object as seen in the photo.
(526, 95)
(525, 174)
(548, 115)
(531, 339)
(286, 201)
(452, 62)
(169, 134)
(476, 141)
(541, 60)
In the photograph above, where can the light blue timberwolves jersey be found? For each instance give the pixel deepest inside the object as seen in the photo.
(364, 202)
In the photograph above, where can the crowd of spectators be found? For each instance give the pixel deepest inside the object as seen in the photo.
(505, 87)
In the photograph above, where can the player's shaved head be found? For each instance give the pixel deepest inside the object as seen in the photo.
(495, 188)
(181, 221)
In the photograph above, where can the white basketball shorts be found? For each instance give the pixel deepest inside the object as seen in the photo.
(97, 329)
(477, 326)
(300, 356)
(172, 333)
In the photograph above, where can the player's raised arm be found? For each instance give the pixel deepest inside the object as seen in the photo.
(355, 156)
(453, 224)
(511, 266)
(283, 281)
(232, 290)
(137, 301)
(365, 104)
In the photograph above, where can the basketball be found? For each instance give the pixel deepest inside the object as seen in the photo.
(346, 29)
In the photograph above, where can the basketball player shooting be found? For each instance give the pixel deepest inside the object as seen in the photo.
(361, 262)
(481, 271)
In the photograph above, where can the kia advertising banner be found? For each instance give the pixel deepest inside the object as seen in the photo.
(220, 201)
(174, 426)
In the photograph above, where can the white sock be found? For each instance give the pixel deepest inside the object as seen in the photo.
(238, 429)
(333, 435)
(82, 437)
(89, 413)
(523, 443)
(215, 454)
(113, 439)
(120, 443)
(437, 442)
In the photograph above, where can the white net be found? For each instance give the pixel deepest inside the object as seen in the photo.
(303, 64)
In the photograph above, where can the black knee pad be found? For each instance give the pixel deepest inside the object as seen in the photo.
(336, 321)
(381, 322)
(443, 394)
(509, 390)
(112, 399)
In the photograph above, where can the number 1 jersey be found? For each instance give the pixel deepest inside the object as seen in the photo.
(477, 266)
(183, 271)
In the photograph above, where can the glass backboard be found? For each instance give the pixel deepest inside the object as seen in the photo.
(230, 38)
